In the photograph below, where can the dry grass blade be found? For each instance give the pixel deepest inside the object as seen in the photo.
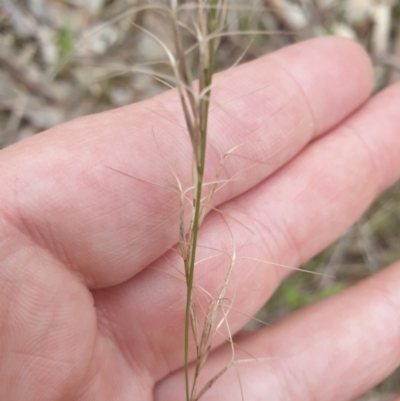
(210, 22)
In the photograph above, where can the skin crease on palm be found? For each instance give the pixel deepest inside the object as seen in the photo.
(91, 303)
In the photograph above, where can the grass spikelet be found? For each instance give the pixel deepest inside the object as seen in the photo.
(195, 101)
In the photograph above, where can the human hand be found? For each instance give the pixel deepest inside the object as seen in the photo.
(91, 304)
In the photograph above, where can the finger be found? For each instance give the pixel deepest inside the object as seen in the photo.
(337, 349)
(62, 189)
(285, 220)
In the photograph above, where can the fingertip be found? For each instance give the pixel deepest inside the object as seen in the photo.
(340, 81)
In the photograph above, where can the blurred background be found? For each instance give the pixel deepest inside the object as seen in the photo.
(60, 59)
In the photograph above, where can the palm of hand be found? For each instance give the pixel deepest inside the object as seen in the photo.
(89, 308)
